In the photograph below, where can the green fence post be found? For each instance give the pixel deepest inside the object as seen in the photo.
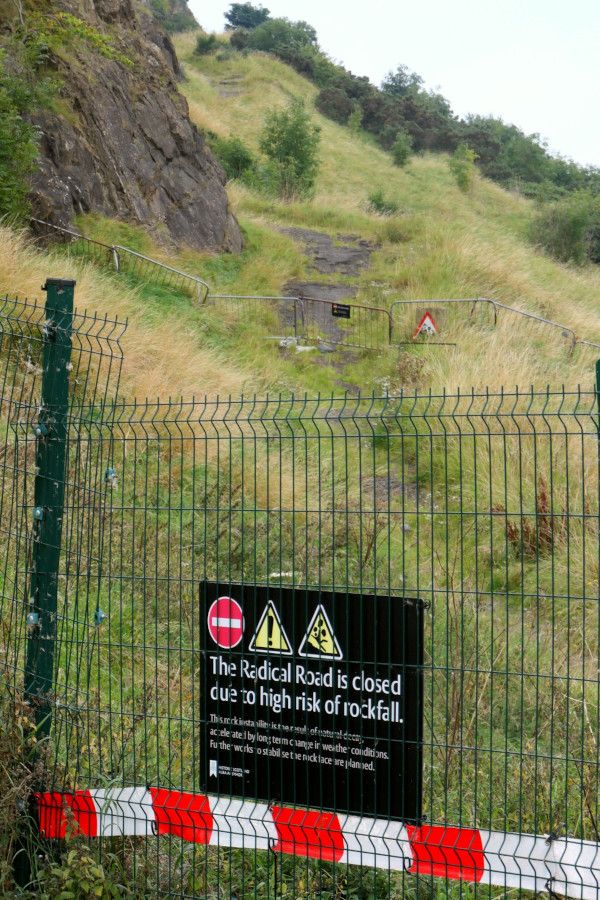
(49, 492)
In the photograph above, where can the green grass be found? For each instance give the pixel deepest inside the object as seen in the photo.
(202, 501)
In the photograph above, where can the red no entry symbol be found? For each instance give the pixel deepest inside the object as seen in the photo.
(226, 622)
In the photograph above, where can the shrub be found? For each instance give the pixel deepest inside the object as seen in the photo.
(394, 232)
(18, 138)
(381, 204)
(244, 15)
(335, 104)
(282, 37)
(239, 39)
(354, 122)
(401, 148)
(462, 166)
(234, 156)
(173, 16)
(570, 229)
(206, 44)
(290, 141)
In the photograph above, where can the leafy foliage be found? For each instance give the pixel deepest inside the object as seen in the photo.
(245, 15)
(462, 166)
(290, 141)
(234, 156)
(379, 203)
(206, 44)
(61, 29)
(569, 229)
(79, 875)
(284, 38)
(173, 15)
(403, 105)
(402, 83)
(335, 104)
(22, 90)
(401, 148)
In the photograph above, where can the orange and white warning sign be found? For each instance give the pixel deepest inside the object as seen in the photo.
(426, 326)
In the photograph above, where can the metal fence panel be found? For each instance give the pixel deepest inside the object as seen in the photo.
(484, 506)
(344, 324)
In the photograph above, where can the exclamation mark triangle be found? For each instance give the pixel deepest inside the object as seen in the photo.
(320, 641)
(270, 636)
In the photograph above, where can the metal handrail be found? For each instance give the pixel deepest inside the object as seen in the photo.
(566, 330)
(203, 293)
(202, 288)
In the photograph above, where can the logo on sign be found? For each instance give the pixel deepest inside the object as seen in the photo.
(226, 622)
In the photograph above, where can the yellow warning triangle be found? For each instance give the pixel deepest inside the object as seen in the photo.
(319, 640)
(270, 636)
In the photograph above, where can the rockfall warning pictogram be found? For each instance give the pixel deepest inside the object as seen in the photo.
(270, 636)
(320, 641)
(427, 326)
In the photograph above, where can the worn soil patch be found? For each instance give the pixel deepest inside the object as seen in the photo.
(229, 87)
(390, 491)
(329, 258)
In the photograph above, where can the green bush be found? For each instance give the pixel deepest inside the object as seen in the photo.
(173, 16)
(569, 230)
(401, 148)
(384, 206)
(462, 166)
(354, 122)
(282, 37)
(18, 138)
(239, 39)
(244, 15)
(395, 232)
(234, 156)
(335, 104)
(207, 43)
(290, 142)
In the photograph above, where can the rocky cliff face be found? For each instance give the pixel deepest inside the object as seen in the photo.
(126, 147)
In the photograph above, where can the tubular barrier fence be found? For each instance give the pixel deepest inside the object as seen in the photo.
(314, 320)
(291, 646)
(482, 311)
(123, 259)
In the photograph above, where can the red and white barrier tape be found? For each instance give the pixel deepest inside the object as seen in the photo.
(566, 866)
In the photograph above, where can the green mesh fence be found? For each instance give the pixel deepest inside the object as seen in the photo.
(481, 507)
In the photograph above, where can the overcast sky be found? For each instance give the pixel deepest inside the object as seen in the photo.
(535, 63)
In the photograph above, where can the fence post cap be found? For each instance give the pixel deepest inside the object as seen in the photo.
(58, 282)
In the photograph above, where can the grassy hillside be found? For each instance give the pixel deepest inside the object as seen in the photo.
(452, 245)
(451, 526)
(442, 244)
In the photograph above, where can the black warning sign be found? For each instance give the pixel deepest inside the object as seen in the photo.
(319, 704)
(340, 310)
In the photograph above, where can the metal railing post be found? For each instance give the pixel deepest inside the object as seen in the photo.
(49, 490)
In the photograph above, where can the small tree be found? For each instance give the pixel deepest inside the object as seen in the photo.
(354, 122)
(462, 166)
(290, 141)
(233, 155)
(401, 148)
(244, 15)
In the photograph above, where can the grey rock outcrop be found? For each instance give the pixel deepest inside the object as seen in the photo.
(127, 147)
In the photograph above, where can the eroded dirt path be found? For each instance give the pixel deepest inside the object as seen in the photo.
(347, 256)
